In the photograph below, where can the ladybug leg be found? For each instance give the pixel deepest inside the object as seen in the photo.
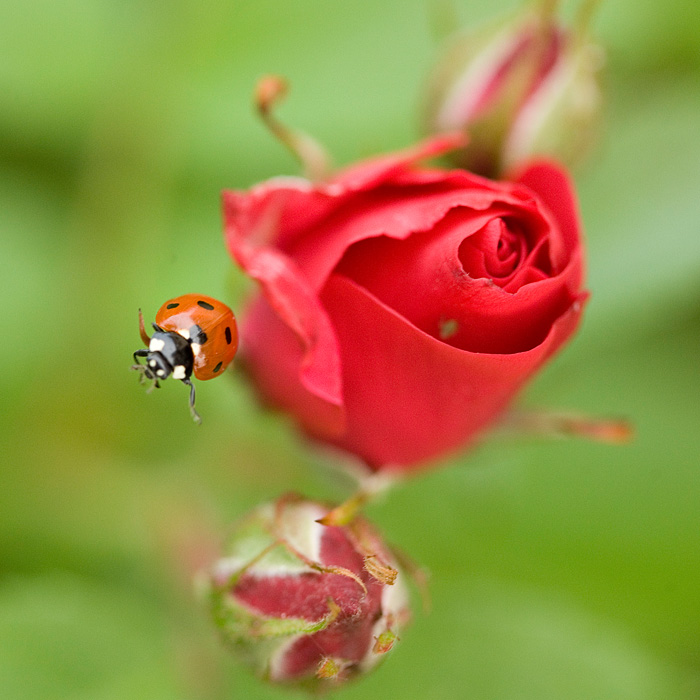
(195, 416)
(144, 371)
(145, 376)
(142, 330)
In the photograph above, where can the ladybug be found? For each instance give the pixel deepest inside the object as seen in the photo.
(194, 334)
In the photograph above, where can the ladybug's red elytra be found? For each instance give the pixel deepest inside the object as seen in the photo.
(194, 334)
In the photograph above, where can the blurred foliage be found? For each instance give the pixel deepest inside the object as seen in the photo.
(559, 569)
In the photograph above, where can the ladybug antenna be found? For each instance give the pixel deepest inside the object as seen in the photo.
(195, 416)
(142, 330)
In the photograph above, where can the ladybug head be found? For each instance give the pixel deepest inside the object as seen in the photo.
(169, 354)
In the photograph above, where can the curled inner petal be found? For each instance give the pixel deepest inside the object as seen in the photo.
(507, 253)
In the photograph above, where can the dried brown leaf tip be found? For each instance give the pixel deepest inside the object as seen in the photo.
(379, 570)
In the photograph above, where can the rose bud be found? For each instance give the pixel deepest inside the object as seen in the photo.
(403, 307)
(303, 602)
(527, 87)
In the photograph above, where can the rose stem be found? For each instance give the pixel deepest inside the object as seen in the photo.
(369, 487)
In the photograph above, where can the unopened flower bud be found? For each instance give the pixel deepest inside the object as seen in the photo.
(304, 602)
(526, 87)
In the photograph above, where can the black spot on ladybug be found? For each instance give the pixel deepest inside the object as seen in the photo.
(227, 332)
(172, 306)
(218, 367)
(205, 305)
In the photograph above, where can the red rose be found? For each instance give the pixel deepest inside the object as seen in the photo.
(403, 307)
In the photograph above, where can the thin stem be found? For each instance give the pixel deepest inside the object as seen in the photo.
(314, 159)
(368, 488)
(615, 431)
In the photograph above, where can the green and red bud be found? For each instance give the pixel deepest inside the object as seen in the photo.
(303, 602)
(521, 88)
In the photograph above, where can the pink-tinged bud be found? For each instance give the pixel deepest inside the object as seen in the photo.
(303, 602)
(522, 88)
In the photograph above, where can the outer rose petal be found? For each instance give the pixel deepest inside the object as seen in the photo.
(274, 357)
(290, 296)
(438, 395)
(370, 173)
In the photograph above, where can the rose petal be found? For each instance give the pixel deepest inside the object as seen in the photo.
(370, 173)
(296, 305)
(274, 212)
(554, 189)
(494, 252)
(439, 396)
(275, 360)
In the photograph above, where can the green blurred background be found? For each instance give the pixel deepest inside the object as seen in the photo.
(560, 570)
